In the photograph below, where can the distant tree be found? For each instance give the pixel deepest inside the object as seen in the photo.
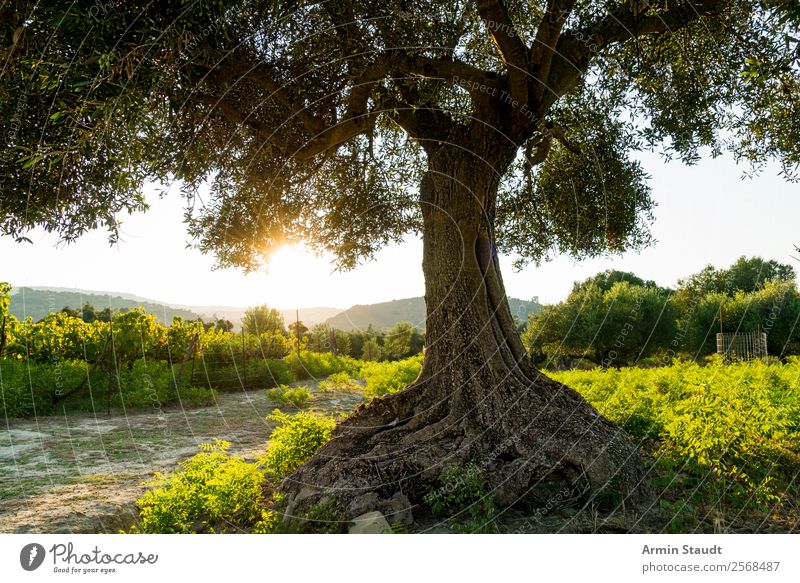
(88, 313)
(321, 338)
(105, 315)
(371, 350)
(606, 279)
(343, 343)
(402, 340)
(610, 327)
(263, 319)
(223, 325)
(745, 275)
(71, 312)
(298, 329)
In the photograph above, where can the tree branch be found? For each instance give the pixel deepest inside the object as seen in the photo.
(544, 45)
(512, 50)
(452, 71)
(576, 48)
(232, 114)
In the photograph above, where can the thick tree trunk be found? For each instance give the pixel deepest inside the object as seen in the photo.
(478, 399)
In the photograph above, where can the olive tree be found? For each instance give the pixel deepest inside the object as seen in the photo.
(481, 126)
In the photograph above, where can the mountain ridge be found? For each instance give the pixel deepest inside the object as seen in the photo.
(38, 301)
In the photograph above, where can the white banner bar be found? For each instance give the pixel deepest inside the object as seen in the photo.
(401, 558)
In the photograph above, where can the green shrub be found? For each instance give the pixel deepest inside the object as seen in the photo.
(340, 381)
(317, 365)
(233, 377)
(389, 377)
(212, 491)
(462, 497)
(28, 388)
(296, 396)
(727, 433)
(197, 396)
(326, 517)
(295, 440)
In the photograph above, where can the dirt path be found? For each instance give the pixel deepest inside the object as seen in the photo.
(82, 473)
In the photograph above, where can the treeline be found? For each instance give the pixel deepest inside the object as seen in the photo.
(398, 342)
(617, 318)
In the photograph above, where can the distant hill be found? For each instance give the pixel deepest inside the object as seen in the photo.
(309, 316)
(37, 302)
(386, 314)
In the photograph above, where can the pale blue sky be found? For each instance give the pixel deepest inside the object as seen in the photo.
(705, 214)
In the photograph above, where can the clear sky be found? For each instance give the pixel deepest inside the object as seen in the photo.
(706, 214)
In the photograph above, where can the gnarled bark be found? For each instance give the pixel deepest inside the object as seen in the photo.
(477, 399)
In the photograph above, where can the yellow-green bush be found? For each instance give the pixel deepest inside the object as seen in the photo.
(317, 365)
(297, 396)
(340, 381)
(389, 377)
(295, 439)
(731, 431)
(212, 491)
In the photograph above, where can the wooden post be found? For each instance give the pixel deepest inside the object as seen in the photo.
(116, 371)
(3, 336)
(244, 361)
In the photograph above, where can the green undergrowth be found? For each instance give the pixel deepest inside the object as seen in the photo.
(725, 437)
(31, 388)
(382, 378)
(462, 500)
(215, 491)
(297, 396)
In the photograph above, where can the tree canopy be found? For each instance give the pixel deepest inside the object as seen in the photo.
(311, 120)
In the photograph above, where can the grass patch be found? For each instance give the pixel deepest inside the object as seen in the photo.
(297, 396)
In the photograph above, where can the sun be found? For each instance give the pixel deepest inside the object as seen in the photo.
(295, 268)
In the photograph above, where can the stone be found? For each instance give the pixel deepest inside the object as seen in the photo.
(398, 509)
(304, 494)
(370, 523)
(363, 504)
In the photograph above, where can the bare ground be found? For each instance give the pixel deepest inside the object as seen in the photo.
(82, 473)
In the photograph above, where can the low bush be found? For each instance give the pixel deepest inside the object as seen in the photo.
(318, 365)
(212, 491)
(389, 377)
(297, 396)
(28, 388)
(295, 440)
(462, 497)
(340, 381)
(233, 377)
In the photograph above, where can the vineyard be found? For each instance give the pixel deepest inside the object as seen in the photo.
(63, 362)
